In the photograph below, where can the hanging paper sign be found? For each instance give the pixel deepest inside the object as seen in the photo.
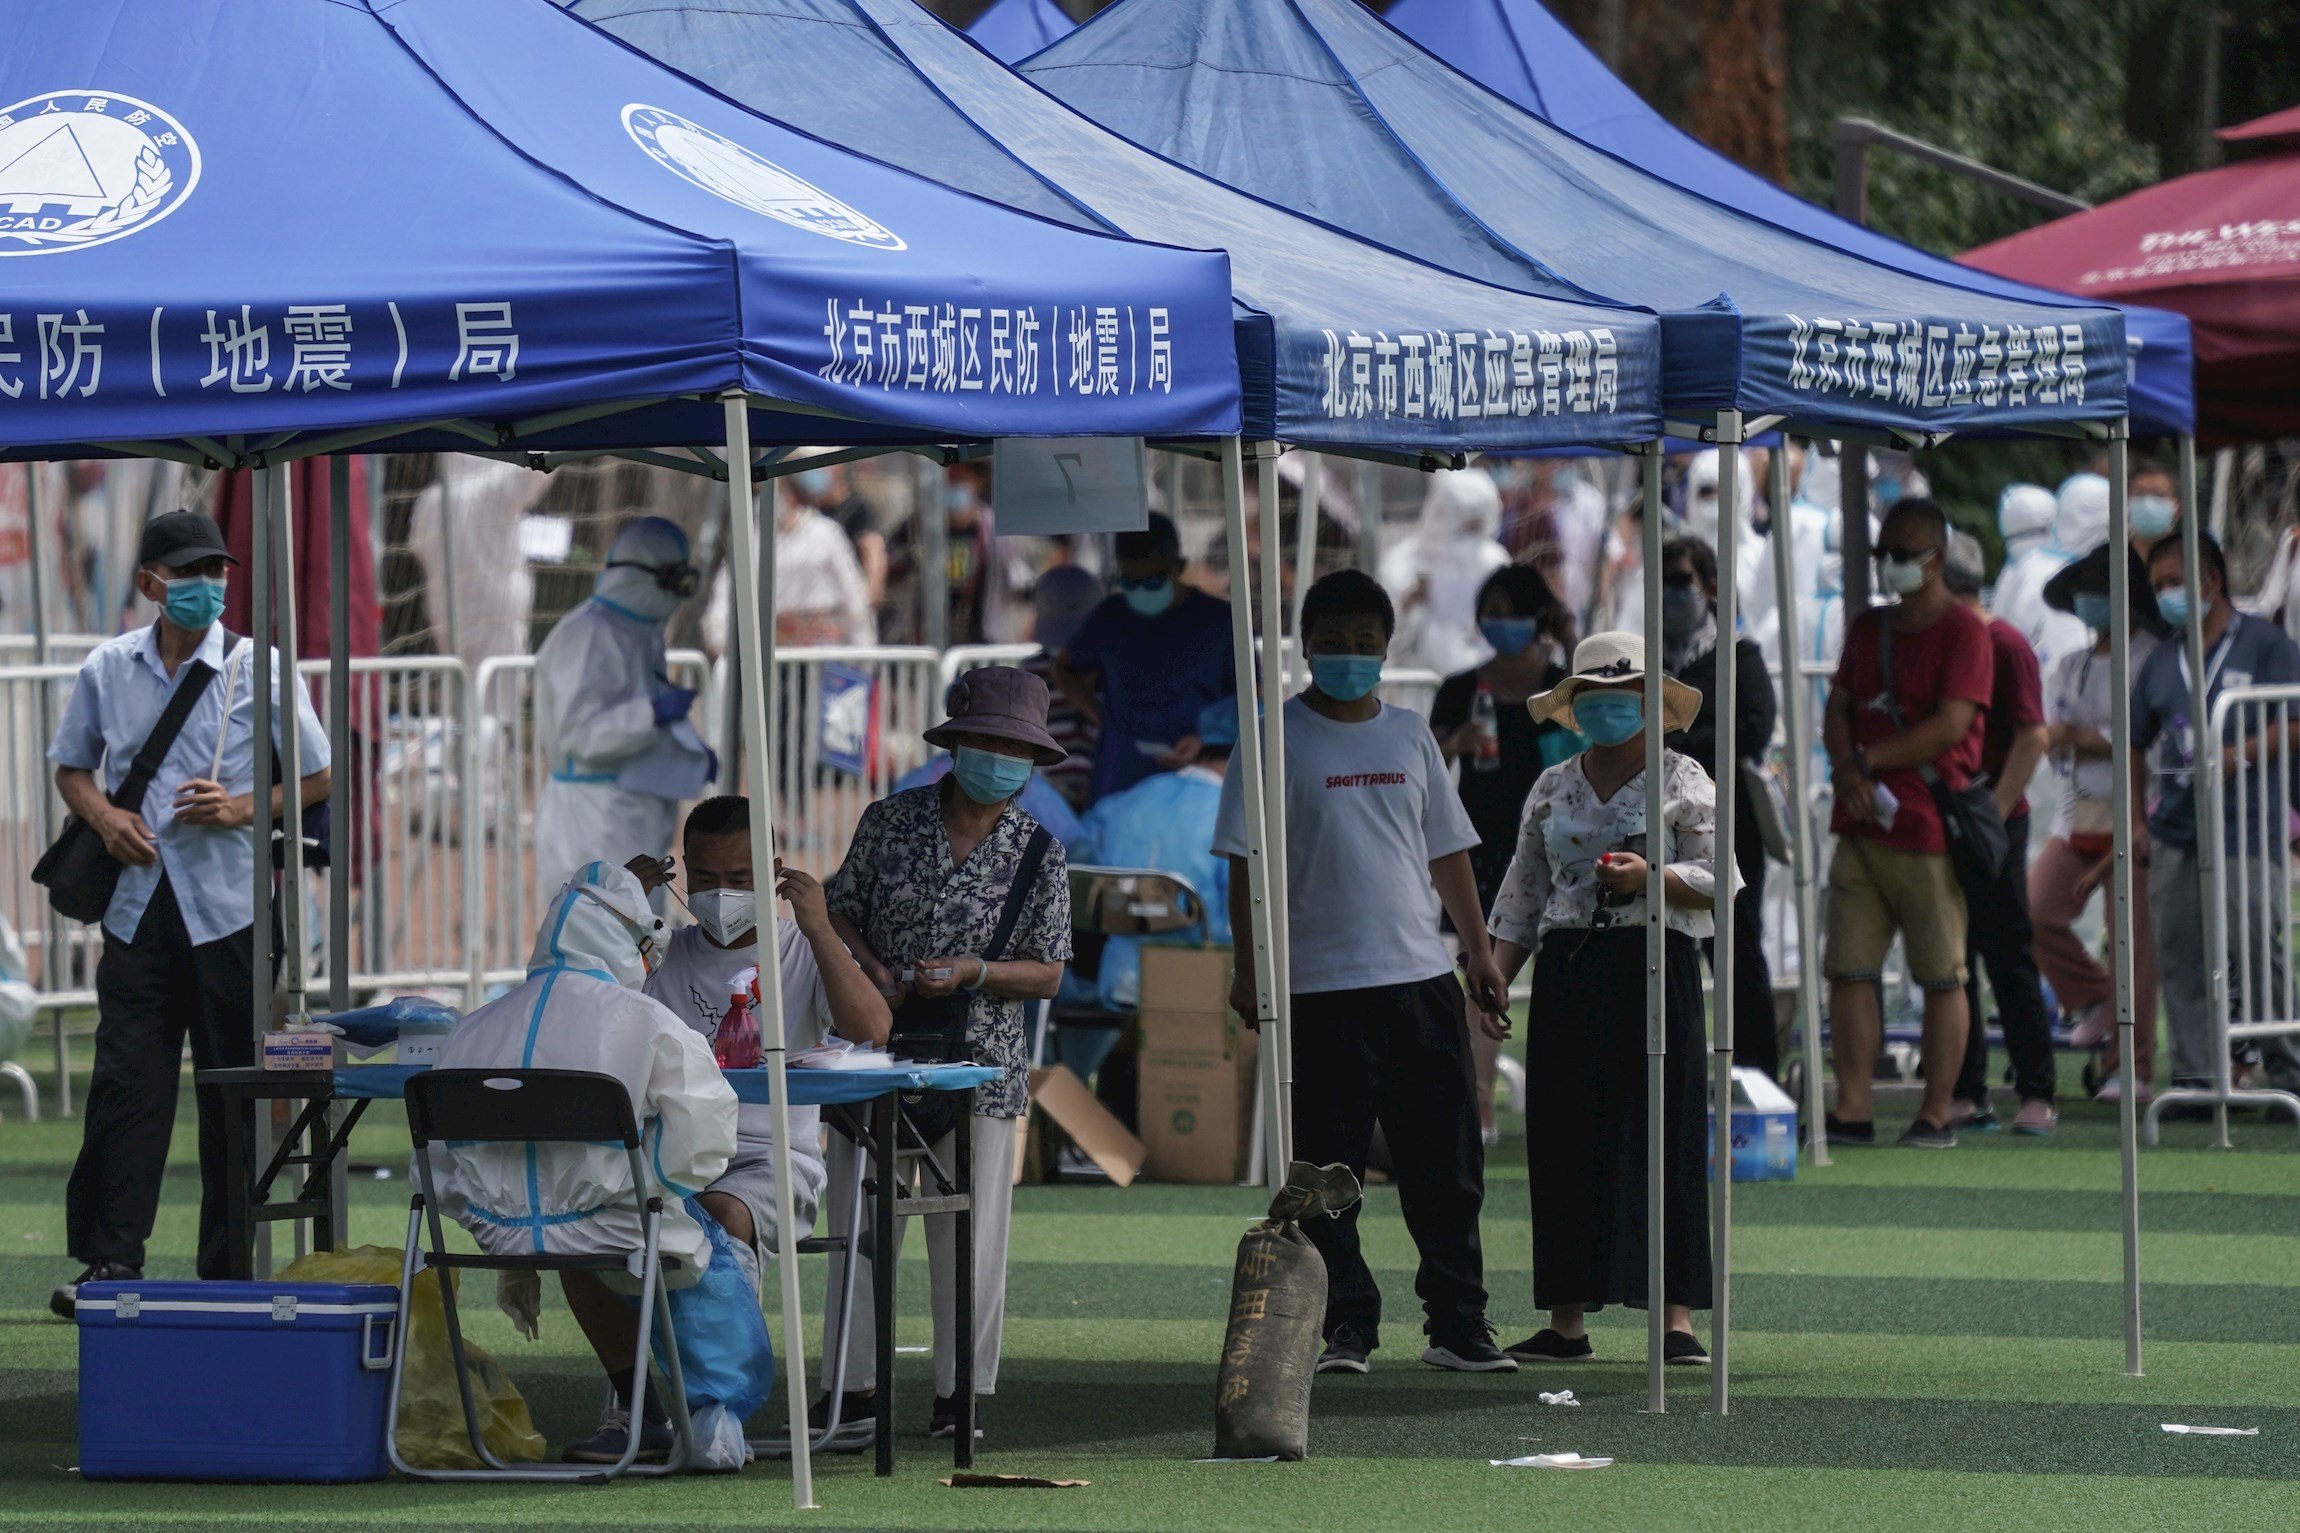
(1071, 484)
(842, 718)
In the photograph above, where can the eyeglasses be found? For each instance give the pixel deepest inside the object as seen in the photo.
(1905, 555)
(1142, 582)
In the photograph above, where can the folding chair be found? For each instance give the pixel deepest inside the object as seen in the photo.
(460, 1107)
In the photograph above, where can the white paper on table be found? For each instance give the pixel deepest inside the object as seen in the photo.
(1550, 1461)
(841, 1054)
(677, 766)
(2188, 1431)
(1887, 805)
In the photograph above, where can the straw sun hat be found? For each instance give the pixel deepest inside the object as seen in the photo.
(1613, 657)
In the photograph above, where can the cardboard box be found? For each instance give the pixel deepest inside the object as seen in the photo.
(1197, 1064)
(1059, 1094)
(1764, 1130)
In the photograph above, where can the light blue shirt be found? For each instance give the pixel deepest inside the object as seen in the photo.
(121, 692)
(1165, 821)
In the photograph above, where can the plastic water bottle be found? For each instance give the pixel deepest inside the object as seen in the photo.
(1487, 756)
(736, 1044)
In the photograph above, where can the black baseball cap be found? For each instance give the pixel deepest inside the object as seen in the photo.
(178, 538)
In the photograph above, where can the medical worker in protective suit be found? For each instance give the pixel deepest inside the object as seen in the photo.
(613, 729)
(581, 1008)
(2044, 534)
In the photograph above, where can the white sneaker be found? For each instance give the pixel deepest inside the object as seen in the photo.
(2111, 1092)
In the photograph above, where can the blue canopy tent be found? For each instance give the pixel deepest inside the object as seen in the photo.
(557, 244)
(1015, 29)
(1360, 350)
(1519, 50)
(1319, 104)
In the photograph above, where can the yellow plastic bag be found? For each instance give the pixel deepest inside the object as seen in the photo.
(431, 1432)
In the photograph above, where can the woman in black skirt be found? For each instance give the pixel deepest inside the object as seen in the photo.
(1574, 901)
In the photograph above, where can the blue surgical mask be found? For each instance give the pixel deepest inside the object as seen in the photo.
(987, 776)
(813, 483)
(1346, 678)
(2092, 609)
(1152, 599)
(1508, 635)
(956, 497)
(195, 601)
(1608, 718)
(2153, 515)
(2172, 604)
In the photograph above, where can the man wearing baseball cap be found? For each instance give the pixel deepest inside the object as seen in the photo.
(178, 957)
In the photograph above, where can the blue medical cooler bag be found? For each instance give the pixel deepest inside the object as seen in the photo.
(234, 1381)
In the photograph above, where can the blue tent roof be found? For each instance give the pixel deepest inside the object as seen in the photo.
(484, 213)
(1318, 104)
(1015, 29)
(1357, 345)
(1517, 48)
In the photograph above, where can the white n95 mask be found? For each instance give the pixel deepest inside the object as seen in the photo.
(727, 916)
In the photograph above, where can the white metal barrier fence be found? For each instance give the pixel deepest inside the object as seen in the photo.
(2244, 836)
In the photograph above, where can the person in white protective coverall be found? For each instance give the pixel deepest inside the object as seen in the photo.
(1434, 575)
(2044, 534)
(1750, 553)
(581, 1008)
(613, 729)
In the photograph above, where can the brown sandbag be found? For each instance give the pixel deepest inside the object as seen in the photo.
(1277, 1321)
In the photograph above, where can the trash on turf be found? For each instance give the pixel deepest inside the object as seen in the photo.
(1550, 1461)
(2188, 1431)
(1560, 1397)
(1277, 1320)
(970, 1481)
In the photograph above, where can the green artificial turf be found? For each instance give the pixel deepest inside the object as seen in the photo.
(1922, 1341)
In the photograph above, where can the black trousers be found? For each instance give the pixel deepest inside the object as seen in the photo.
(1999, 935)
(1398, 1054)
(151, 993)
(1755, 1040)
(1585, 1135)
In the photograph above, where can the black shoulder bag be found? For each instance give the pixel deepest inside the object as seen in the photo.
(932, 1029)
(78, 872)
(1970, 820)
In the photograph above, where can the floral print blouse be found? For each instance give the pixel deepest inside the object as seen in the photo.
(899, 888)
(1552, 881)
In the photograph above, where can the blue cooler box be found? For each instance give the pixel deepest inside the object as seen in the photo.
(1764, 1130)
(234, 1381)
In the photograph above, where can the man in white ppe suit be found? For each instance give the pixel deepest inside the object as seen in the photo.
(1434, 575)
(2031, 520)
(581, 1008)
(613, 729)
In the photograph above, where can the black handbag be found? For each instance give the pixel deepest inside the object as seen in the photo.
(1970, 821)
(932, 1029)
(78, 872)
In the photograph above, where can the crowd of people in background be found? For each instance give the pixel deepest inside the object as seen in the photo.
(1501, 833)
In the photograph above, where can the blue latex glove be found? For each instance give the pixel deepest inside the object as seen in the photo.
(673, 704)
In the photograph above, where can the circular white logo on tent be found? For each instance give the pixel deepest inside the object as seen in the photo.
(78, 168)
(727, 170)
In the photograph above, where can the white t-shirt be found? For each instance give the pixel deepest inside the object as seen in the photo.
(1368, 808)
(2077, 692)
(695, 981)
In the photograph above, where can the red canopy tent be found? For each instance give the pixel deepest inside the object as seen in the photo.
(2221, 246)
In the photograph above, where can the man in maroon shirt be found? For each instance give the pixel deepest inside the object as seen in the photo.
(1891, 872)
(1998, 931)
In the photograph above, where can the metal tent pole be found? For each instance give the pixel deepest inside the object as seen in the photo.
(1800, 761)
(1722, 1018)
(295, 951)
(343, 834)
(52, 927)
(1266, 926)
(2120, 917)
(260, 734)
(1370, 517)
(1274, 787)
(753, 640)
(1656, 946)
(1306, 537)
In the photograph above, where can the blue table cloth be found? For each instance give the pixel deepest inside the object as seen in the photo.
(809, 1088)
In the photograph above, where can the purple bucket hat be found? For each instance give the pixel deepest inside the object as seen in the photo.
(1002, 701)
